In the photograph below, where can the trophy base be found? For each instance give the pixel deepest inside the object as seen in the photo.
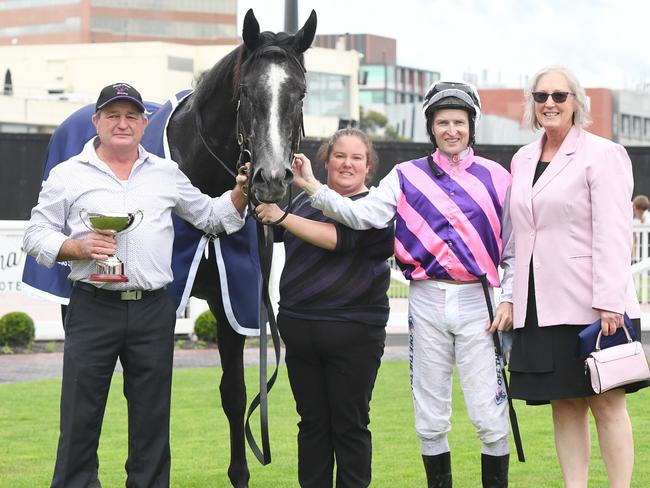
(108, 278)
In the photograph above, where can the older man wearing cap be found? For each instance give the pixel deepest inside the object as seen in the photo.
(451, 230)
(131, 320)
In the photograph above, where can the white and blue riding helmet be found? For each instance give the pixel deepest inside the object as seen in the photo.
(452, 94)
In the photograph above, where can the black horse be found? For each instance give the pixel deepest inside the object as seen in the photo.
(247, 108)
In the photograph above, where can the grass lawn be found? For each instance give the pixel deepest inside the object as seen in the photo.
(29, 429)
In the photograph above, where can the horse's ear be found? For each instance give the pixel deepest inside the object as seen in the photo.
(305, 36)
(251, 32)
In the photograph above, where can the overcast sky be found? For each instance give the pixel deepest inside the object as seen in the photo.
(605, 42)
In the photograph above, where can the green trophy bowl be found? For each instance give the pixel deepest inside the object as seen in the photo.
(110, 270)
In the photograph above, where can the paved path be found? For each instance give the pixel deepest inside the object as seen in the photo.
(26, 367)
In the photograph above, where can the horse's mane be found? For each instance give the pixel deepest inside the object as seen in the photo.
(227, 72)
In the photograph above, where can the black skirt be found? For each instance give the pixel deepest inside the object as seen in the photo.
(544, 362)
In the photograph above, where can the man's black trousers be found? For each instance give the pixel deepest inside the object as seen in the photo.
(99, 329)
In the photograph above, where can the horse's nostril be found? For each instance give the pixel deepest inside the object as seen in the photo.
(258, 176)
(273, 176)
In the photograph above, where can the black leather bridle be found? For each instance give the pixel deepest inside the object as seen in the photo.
(244, 139)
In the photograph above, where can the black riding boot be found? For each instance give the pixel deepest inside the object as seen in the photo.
(494, 470)
(438, 470)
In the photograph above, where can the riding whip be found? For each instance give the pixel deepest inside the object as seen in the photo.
(502, 365)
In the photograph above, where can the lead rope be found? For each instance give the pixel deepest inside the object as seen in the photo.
(497, 346)
(265, 254)
(265, 246)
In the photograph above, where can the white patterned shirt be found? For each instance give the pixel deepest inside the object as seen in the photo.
(156, 186)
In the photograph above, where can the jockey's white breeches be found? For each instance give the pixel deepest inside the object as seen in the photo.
(447, 327)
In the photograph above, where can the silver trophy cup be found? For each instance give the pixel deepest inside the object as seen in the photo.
(110, 270)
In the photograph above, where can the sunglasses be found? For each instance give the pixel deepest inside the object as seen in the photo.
(558, 97)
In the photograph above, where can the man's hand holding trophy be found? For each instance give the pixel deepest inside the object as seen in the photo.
(110, 270)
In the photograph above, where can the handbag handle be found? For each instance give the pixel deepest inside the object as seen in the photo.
(600, 333)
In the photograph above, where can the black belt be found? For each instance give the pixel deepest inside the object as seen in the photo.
(117, 294)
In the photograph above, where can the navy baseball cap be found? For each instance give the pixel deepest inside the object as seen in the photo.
(119, 91)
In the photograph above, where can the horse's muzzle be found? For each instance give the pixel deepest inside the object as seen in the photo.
(270, 186)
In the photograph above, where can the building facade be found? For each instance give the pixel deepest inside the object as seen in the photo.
(622, 116)
(197, 22)
(49, 82)
(383, 82)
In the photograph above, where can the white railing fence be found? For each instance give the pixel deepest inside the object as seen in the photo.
(399, 286)
(641, 260)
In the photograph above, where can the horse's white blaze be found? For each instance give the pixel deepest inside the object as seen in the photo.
(276, 76)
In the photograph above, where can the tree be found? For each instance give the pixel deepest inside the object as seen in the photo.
(377, 127)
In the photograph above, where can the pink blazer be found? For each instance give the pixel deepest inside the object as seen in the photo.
(575, 224)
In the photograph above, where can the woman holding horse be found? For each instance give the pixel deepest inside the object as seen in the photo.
(332, 318)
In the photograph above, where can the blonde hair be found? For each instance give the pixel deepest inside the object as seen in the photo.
(581, 117)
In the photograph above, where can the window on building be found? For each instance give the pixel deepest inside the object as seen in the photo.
(375, 74)
(10, 5)
(625, 124)
(204, 6)
(646, 128)
(162, 28)
(380, 76)
(175, 63)
(390, 73)
(328, 95)
(372, 97)
(70, 24)
(637, 127)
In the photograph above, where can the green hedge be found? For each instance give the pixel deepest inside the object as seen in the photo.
(16, 329)
(205, 327)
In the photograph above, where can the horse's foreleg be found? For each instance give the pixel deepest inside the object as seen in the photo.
(233, 394)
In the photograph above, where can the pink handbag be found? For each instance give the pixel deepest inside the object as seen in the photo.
(617, 365)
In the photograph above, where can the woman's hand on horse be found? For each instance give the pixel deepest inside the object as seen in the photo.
(268, 212)
(303, 176)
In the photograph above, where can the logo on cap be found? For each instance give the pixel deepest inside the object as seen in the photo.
(119, 91)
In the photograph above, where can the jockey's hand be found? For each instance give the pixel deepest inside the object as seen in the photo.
(502, 318)
(303, 175)
(610, 321)
(268, 212)
(239, 196)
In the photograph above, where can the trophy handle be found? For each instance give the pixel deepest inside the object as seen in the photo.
(83, 215)
(136, 219)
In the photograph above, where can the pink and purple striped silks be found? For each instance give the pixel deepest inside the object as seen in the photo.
(449, 226)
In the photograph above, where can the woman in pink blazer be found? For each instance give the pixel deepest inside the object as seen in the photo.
(570, 207)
